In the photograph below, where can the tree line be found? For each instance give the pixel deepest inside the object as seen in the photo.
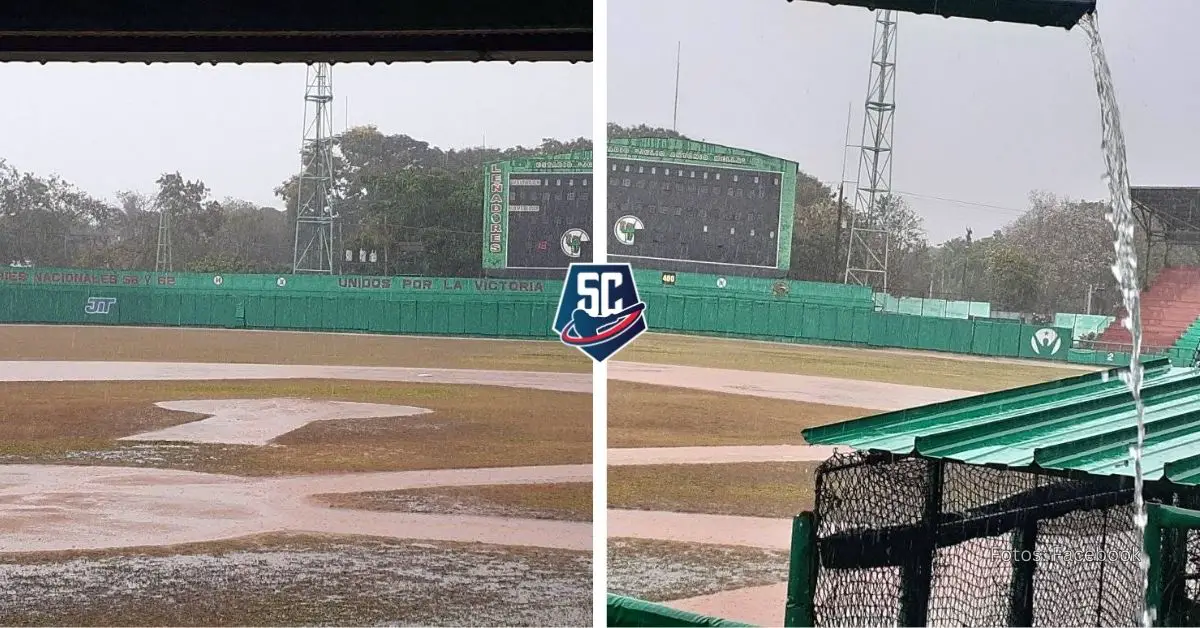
(417, 209)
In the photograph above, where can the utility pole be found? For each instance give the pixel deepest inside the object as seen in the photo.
(675, 111)
(841, 197)
(962, 285)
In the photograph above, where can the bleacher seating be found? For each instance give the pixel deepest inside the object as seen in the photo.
(1170, 307)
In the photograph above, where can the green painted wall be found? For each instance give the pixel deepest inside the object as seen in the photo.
(391, 305)
(793, 320)
(653, 281)
(399, 287)
(806, 312)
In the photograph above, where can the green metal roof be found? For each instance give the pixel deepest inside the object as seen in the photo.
(1062, 13)
(1085, 423)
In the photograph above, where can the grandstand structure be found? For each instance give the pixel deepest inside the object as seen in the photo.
(1169, 216)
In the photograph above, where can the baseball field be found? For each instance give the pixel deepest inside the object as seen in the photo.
(212, 477)
(244, 477)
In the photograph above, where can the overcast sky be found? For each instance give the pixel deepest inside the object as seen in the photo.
(112, 127)
(985, 112)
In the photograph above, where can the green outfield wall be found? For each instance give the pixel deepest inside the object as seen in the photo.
(735, 307)
(388, 305)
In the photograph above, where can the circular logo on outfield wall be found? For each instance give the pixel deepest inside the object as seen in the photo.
(217, 280)
(281, 282)
(721, 282)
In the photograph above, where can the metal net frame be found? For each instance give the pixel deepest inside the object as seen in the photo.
(914, 541)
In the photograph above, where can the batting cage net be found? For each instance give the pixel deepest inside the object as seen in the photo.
(914, 541)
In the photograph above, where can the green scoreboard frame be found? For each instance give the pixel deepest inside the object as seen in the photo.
(497, 177)
(661, 151)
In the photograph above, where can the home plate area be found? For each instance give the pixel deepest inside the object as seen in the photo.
(132, 542)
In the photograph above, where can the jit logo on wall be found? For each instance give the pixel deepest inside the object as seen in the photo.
(1045, 341)
(99, 305)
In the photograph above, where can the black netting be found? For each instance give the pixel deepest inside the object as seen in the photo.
(909, 541)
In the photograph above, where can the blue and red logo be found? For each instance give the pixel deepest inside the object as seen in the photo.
(599, 311)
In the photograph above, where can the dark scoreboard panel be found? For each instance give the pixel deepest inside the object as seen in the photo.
(549, 220)
(665, 215)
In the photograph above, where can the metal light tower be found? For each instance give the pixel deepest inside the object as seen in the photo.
(162, 257)
(315, 214)
(867, 255)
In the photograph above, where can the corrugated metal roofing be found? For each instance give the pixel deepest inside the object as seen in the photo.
(1061, 13)
(1085, 423)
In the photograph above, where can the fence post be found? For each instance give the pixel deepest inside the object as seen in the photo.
(916, 573)
(1152, 545)
(802, 573)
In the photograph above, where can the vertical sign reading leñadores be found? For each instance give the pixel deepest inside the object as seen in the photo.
(495, 216)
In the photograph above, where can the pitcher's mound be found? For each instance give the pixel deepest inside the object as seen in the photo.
(258, 421)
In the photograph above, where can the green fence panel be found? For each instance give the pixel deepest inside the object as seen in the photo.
(329, 314)
(881, 330)
(981, 337)
(293, 311)
(931, 333)
(757, 319)
(522, 316)
(1045, 343)
(1010, 340)
(376, 315)
(194, 310)
(843, 326)
(347, 314)
(476, 319)
(861, 321)
(674, 316)
(829, 322)
(169, 309)
(779, 325)
(541, 325)
(758, 308)
(20, 305)
(730, 317)
(455, 316)
(429, 317)
(657, 309)
(664, 311)
(962, 337)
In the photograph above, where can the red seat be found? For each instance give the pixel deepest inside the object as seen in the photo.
(1169, 306)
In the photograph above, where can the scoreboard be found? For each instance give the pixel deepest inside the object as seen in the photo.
(538, 214)
(680, 205)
